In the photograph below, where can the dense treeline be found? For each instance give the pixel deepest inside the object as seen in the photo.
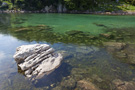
(70, 4)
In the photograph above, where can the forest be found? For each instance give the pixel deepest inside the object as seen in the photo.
(69, 4)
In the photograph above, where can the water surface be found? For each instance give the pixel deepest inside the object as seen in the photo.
(81, 62)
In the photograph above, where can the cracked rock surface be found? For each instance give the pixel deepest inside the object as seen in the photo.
(37, 60)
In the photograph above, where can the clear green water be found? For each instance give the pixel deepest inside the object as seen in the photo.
(82, 62)
(66, 22)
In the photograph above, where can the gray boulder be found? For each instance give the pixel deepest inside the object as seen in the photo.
(37, 60)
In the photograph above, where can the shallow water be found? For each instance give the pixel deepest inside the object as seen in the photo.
(81, 62)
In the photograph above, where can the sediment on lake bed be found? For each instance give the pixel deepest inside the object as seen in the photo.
(46, 33)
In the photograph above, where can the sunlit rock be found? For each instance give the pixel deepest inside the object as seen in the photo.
(37, 60)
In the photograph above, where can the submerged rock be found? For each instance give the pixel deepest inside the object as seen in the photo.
(85, 85)
(122, 51)
(108, 36)
(37, 60)
(70, 83)
(100, 25)
(113, 46)
(129, 53)
(123, 85)
(74, 32)
(86, 49)
(31, 28)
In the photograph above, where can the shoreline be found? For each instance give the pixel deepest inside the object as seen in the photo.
(74, 12)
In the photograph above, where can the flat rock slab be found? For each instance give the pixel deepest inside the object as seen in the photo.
(37, 60)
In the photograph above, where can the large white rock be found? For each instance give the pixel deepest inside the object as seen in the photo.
(37, 60)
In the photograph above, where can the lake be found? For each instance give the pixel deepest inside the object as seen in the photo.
(81, 37)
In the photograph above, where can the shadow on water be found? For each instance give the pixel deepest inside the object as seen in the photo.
(55, 77)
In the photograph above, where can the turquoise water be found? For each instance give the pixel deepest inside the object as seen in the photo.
(66, 22)
(81, 62)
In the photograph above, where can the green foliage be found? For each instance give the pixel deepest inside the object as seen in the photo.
(130, 1)
(70, 4)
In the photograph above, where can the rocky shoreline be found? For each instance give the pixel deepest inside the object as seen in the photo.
(72, 12)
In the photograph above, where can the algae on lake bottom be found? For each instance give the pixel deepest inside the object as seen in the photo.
(46, 33)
